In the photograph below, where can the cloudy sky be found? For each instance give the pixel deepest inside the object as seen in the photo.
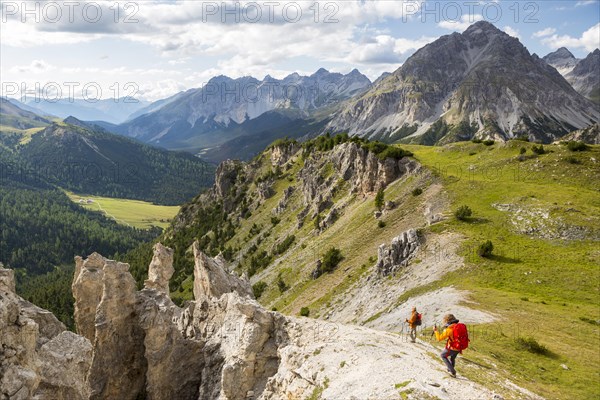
(153, 49)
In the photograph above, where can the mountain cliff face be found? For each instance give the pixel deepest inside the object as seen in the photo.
(585, 76)
(224, 104)
(481, 83)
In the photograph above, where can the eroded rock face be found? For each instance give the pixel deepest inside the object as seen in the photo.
(161, 269)
(171, 348)
(87, 291)
(223, 345)
(392, 257)
(348, 162)
(118, 365)
(211, 279)
(38, 358)
(281, 154)
(241, 346)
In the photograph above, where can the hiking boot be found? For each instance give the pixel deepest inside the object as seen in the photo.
(452, 374)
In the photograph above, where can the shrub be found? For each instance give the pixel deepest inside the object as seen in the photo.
(476, 140)
(275, 220)
(285, 244)
(331, 260)
(488, 142)
(463, 213)
(318, 222)
(259, 262)
(281, 285)
(522, 138)
(304, 312)
(577, 146)
(539, 149)
(258, 288)
(485, 249)
(523, 150)
(394, 152)
(531, 345)
(572, 160)
(379, 199)
(381, 224)
(417, 191)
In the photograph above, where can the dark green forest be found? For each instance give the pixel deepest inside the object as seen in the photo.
(96, 162)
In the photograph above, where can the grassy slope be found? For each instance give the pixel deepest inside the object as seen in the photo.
(539, 287)
(139, 214)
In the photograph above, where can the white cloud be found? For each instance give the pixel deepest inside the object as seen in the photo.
(512, 32)
(463, 24)
(36, 67)
(586, 3)
(544, 32)
(589, 40)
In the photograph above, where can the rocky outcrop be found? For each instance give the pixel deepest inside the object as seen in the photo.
(211, 279)
(161, 269)
(590, 135)
(38, 358)
(87, 291)
(282, 153)
(118, 364)
(392, 257)
(287, 193)
(222, 345)
(364, 171)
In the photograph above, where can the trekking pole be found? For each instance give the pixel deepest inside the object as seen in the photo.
(433, 331)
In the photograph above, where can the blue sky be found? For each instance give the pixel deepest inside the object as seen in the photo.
(162, 47)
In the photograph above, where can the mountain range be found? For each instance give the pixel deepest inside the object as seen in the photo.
(582, 74)
(481, 83)
(220, 110)
(114, 111)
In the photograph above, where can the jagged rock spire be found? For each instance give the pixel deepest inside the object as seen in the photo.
(211, 279)
(161, 269)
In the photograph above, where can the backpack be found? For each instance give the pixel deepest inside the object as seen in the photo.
(418, 320)
(460, 337)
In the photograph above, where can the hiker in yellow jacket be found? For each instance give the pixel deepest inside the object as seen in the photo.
(448, 335)
(413, 322)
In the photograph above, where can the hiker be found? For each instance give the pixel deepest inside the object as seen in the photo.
(413, 322)
(457, 340)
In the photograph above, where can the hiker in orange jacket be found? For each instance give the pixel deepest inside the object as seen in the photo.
(449, 351)
(412, 324)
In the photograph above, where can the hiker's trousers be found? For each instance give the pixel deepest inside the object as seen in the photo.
(449, 357)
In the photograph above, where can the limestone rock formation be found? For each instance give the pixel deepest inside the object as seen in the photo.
(281, 154)
(287, 193)
(222, 345)
(118, 364)
(39, 359)
(212, 280)
(161, 269)
(363, 170)
(87, 291)
(392, 257)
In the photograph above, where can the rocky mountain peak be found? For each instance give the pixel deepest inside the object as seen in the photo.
(562, 59)
(482, 82)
